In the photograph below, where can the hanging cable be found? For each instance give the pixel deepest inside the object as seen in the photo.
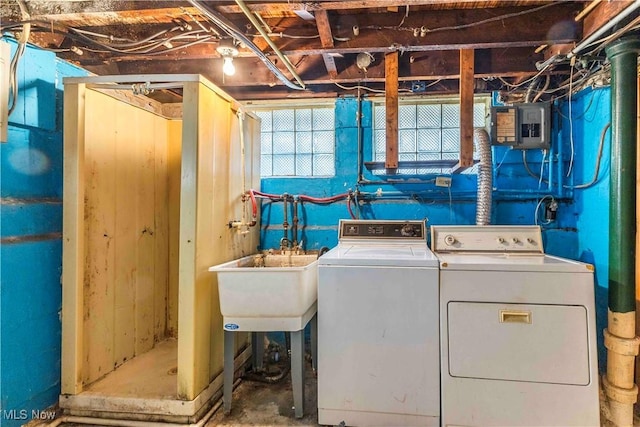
(537, 211)
(13, 66)
(598, 160)
(573, 59)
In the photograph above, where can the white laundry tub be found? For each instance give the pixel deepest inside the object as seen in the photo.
(268, 292)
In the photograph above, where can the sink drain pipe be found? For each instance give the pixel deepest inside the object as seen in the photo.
(620, 336)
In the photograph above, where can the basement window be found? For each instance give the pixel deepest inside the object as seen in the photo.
(428, 130)
(297, 141)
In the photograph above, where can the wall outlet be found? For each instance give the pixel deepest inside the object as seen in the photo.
(443, 181)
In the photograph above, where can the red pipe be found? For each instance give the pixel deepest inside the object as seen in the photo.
(349, 208)
(267, 195)
(324, 199)
(254, 204)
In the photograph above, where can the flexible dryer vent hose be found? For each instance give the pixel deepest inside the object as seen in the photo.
(485, 184)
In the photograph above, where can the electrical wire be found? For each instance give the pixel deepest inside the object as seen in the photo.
(536, 214)
(360, 87)
(13, 66)
(528, 169)
(598, 161)
(461, 26)
(493, 19)
(544, 158)
(571, 119)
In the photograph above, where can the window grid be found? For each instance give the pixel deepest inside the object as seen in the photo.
(426, 131)
(297, 142)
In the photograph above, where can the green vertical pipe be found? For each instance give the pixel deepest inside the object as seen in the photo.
(623, 55)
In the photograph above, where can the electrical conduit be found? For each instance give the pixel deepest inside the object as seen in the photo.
(229, 28)
(485, 181)
(620, 337)
(270, 42)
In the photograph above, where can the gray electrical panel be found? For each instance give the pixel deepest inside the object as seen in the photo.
(522, 127)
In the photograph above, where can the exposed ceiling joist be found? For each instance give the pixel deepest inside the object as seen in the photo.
(326, 38)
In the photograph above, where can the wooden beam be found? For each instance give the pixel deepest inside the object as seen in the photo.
(360, 4)
(466, 107)
(326, 38)
(602, 14)
(165, 15)
(121, 17)
(391, 106)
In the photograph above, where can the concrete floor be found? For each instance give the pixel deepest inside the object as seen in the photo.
(259, 404)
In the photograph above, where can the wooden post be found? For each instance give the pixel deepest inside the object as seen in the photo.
(466, 108)
(391, 98)
(73, 253)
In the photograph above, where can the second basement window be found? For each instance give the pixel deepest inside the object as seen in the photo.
(427, 130)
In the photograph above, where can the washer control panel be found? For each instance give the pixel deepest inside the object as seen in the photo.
(486, 238)
(373, 229)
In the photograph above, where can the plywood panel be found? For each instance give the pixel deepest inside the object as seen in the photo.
(126, 230)
(161, 228)
(73, 242)
(187, 249)
(127, 136)
(100, 193)
(174, 147)
(144, 303)
(225, 172)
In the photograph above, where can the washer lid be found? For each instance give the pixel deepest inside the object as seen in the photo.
(380, 254)
(510, 262)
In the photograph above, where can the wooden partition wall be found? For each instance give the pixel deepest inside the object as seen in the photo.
(147, 201)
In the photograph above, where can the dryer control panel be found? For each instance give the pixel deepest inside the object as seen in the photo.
(382, 230)
(487, 238)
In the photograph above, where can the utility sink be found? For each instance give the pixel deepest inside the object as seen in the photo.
(268, 292)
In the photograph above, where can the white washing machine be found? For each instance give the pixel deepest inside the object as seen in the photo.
(518, 337)
(378, 336)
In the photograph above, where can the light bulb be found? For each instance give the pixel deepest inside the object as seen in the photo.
(228, 68)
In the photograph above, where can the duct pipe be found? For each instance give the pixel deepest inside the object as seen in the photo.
(251, 17)
(485, 183)
(619, 337)
(606, 27)
(229, 28)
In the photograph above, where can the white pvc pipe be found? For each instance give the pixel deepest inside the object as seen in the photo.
(606, 27)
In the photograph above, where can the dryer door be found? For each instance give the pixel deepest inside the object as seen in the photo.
(519, 342)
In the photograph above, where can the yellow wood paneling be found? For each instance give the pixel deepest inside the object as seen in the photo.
(126, 133)
(73, 241)
(174, 147)
(161, 228)
(145, 286)
(187, 249)
(159, 195)
(126, 233)
(100, 232)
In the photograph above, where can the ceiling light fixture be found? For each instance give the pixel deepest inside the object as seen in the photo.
(227, 50)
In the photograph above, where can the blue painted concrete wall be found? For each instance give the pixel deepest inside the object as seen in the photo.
(579, 232)
(516, 193)
(31, 249)
(592, 111)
